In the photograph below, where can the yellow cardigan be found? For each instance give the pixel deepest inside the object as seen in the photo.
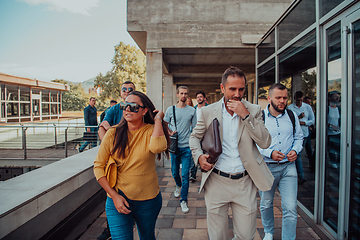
(136, 173)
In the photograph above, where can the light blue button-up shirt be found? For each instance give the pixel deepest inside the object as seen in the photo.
(308, 119)
(283, 138)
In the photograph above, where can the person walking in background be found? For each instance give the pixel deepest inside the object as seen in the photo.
(285, 146)
(185, 116)
(114, 115)
(102, 116)
(90, 117)
(307, 118)
(240, 169)
(189, 102)
(333, 128)
(200, 98)
(127, 152)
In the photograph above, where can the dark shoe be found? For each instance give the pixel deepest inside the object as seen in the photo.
(192, 179)
(105, 235)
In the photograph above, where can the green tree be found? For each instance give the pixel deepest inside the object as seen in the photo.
(73, 100)
(128, 65)
(309, 86)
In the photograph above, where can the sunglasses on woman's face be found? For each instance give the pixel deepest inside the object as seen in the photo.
(130, 89)
(133, 107)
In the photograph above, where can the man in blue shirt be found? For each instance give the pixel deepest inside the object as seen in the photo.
(114, 115)
(185, 117)
(90, 117)
(307, 118)
(280, 158)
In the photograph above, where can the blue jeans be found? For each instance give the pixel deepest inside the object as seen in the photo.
(193, 169)
(299, 166)
(84, 145)
(183, 157)
(144, 213)
(286, 180)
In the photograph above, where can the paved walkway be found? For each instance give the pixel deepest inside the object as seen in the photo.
(172, 224)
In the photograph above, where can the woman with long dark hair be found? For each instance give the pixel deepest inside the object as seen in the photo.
(125, 168)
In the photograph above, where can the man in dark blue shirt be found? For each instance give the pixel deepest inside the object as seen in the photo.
(90, 117)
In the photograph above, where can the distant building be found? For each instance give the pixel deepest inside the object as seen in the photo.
(24, 99)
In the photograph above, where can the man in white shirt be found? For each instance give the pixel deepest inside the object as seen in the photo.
(307, 118)
(240, 169)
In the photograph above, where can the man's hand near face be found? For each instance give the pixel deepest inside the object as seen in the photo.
(238, 107)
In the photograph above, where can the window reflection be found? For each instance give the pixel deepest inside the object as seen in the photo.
(267, 47)
(266, 78)
(332, 156)
(297, 71)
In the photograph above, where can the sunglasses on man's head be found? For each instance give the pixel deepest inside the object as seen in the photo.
(130, 89)
(133, 107)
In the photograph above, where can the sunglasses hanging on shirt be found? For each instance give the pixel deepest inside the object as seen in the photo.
(133, 107)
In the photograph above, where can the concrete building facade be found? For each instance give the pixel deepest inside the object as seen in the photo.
(191, 43)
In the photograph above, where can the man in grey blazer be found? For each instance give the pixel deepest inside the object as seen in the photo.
(240, 170)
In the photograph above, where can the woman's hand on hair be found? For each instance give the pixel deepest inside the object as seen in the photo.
(159, 114)
(121, 205)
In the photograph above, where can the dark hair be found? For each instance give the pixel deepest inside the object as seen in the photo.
(233, 71)
(92, 98)
(182, 87)
(128, 82)
(121, 132)
(305, 98)
(298, 94)
(277, 86)
(200, 92)
(113, 101)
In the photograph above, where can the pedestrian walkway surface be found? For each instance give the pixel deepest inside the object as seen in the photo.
(173, 224)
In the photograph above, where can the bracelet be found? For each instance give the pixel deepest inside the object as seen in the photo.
(158, 118)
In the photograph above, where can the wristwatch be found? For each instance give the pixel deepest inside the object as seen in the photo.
(246, 117)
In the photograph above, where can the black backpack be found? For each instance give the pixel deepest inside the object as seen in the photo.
(291, 116)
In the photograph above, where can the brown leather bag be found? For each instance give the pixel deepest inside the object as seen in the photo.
(211, 143)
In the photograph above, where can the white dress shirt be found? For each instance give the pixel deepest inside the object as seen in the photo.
(229, 160)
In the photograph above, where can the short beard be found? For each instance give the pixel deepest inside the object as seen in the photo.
(276, 108)
(201, 102)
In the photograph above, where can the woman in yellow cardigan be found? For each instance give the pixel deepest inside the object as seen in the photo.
(125, 168)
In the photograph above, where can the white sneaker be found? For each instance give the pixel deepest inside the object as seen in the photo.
(184, 207)
(177, 191)
(268, 236)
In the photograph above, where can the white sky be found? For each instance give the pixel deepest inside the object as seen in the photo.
(65, 39)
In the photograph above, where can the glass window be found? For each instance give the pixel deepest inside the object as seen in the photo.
(332, 156)
(300, 18)
(54, 108)
(297, 71)
(45, 95)
(12, 110)
(267, 47)
(266, 78)
(328, 5)
(36, 107)
(2, 92)
(2, 110)
(12, 93)
(54, 97)
(354, 218)
(24, 94)
(24, 109)
(45, 109)
(35, 91)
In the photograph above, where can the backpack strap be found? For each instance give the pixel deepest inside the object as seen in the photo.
(292, 118)
(174, 116)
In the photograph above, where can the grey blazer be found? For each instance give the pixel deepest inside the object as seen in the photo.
(251, 131)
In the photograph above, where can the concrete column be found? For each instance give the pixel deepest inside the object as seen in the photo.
(175, 99)
(154, 77)
(168, 91)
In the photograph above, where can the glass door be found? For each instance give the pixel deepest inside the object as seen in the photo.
(354, 74)
(333, 125)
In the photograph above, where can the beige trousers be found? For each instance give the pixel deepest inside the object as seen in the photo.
(240, 194)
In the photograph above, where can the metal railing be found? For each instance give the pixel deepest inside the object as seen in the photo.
(41, 136)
